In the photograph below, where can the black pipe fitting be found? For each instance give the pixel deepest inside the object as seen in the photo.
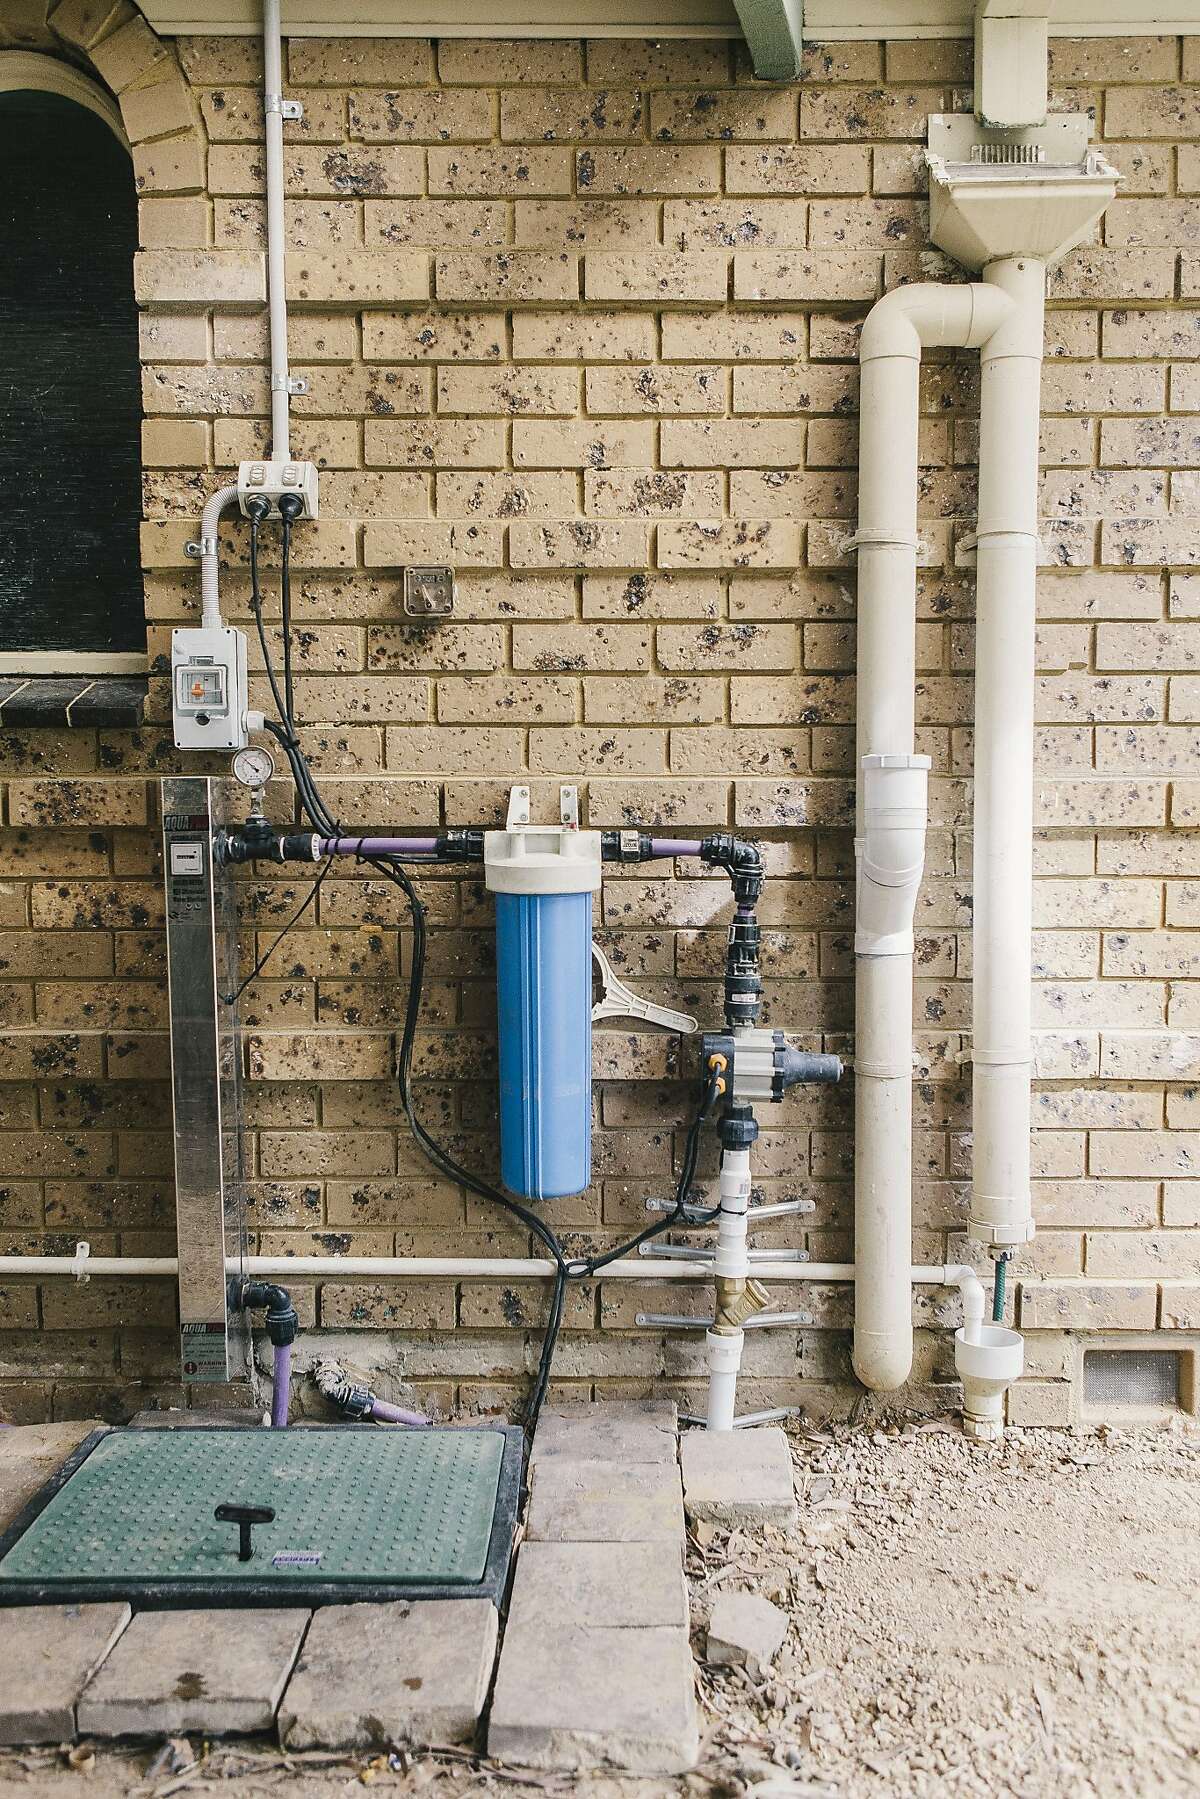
(741, 861)
(282, 1321)
(460, 846)
(625, 846)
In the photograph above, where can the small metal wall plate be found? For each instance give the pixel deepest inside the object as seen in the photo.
(429, 591)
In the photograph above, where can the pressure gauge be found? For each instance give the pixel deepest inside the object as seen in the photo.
(253, 767)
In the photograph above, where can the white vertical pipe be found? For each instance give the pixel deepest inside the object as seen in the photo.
(276, 291)
(730, 1262)
(895, 331)
(1005, 662)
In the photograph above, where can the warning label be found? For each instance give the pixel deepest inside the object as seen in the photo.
(203, 1352)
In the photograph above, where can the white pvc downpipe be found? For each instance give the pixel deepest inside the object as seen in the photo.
(1005, 662)
(276, 290)
(890, 812)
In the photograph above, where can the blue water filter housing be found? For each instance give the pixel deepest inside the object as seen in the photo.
(543, 879)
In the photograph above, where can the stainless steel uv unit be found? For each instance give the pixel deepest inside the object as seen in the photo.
(205, 1082)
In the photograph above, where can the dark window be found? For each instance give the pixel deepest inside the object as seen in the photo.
(70, 405)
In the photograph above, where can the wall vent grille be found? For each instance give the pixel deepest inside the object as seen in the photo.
(1132, 1377)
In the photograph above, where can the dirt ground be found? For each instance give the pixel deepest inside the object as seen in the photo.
(1022, 1620)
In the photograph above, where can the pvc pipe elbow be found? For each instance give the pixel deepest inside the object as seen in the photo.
(890, 854)
(882, 1359)
(930, 313)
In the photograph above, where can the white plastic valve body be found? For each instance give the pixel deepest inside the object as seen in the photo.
(890, 854)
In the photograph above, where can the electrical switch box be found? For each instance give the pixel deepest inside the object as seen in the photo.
(209, 688)
(273, 479)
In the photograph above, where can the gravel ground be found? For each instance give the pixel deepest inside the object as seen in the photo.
(1022, 1620)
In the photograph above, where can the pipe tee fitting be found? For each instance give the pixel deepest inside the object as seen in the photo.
(890, 855)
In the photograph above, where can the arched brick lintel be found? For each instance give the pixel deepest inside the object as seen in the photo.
(158, 109)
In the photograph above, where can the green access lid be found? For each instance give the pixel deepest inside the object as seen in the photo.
(360, 1512)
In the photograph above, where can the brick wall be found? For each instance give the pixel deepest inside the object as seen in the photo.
(581, 319)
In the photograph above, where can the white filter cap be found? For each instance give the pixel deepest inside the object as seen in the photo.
(542, 859)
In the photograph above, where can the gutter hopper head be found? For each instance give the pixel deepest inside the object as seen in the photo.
(994, 194)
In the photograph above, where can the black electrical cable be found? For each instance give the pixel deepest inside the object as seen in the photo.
(285, 591)
(231, 999)
(566, 1268)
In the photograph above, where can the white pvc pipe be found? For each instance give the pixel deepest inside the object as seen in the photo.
(896, 330)
(276, 290)
(455, 1268)
(730, 1262)
(1005, 662)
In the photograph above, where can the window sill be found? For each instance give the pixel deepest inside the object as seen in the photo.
(76, 702)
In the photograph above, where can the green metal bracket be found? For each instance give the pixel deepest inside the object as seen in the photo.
(773, 31)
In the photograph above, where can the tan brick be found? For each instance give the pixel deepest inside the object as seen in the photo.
(505, 495)
(163, 106)
(379, 62)
(592, 224)
(650, 698)
(582, 443)
(397, 543)
(435, 224)
(1126, 276)
(753, 115)
(488, 60)
(508, 390)
(577, 543)
(501, 698)
(62, 802)
(599, 750)
(199, 278)
(582, 647)
(800, 169)
(1096, 1306)
(658, 389)
(1045, 1403)
(829, 275)
(729, 543)
(174, 443)
(655, 169)
(363, 277)
(732, 443)
(433, 116)
(127, 55)
(173, 224)
(516, 276)
(235, 115)
(557, 115)
(434, 443)
(169, 165)
(867, 113)
(500, 171)
(84, 22)
(654, 275)
(650, 493)
(730, 224)
(659, 803)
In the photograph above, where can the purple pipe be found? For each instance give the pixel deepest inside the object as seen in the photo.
(281, 1388)
(674, 846)
(378, 846)
(384, 1413)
